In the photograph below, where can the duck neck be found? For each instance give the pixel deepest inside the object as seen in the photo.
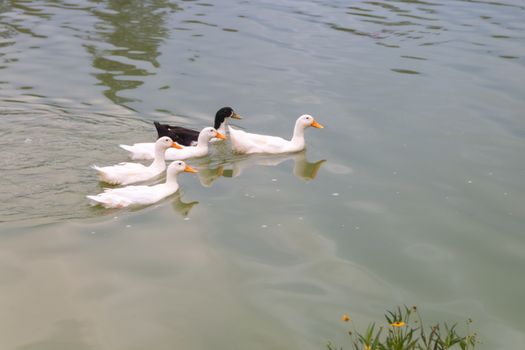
(221, 127)
(202, 142)
(298, 135)
(171, 181)
(160, 160)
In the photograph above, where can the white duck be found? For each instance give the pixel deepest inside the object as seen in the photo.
(147, 150)
(128, 173)
(142, 195)
(247, 143)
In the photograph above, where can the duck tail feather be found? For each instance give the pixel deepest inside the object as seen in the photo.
(127, 147)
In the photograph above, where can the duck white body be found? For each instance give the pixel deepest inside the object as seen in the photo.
(128, 173)
(147, 150)
(247, 143)
(142, 195)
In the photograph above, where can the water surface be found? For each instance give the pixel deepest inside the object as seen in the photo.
(412, 194)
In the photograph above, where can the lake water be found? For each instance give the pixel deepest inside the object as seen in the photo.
(412, 194)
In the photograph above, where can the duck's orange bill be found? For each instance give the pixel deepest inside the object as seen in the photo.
(189, 169)
(220, 136)
(176, 145)
(317, 125)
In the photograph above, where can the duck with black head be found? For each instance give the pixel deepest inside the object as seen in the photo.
(189, 137)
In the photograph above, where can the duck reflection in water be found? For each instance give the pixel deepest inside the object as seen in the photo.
(303, 169)
(181, 207)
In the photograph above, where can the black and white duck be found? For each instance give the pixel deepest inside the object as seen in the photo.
(189, 137)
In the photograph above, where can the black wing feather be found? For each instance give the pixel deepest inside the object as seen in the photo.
(183, 136)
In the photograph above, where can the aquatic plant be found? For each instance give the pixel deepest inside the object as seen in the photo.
(406, 331)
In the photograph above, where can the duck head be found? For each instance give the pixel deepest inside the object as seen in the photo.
(166, 142)
(177, 167)
(209, 133)
(222, 114)
(307, 120)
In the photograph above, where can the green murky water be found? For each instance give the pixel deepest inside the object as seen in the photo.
(412, 194)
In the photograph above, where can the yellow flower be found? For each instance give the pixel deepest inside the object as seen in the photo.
(398, 324)
(345, 318)
(367, 347)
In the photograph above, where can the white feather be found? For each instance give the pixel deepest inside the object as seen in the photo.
(146, 150)
(247, 143)
(141, 195)
(128, 173)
